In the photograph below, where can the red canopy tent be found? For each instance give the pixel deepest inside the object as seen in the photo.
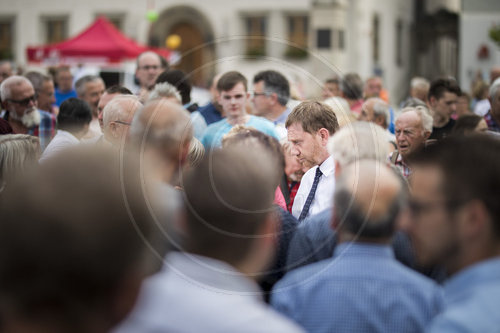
(101, 43)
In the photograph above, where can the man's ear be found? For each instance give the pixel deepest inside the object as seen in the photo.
(379, 120)
(432, 101)
(474, 220)
(324, 136)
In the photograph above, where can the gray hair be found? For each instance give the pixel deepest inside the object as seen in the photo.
(164, 90)
(17, 152)
(413, 102)
(119, 108)
(80, 84)
(6, 87)
(495, 86)
(196, 152)
(360, 188)
(424, 114)
(420, 83)
(37, 79)
(381, 109)
(359, 141)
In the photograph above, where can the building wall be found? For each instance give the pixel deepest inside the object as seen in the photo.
(226, 20)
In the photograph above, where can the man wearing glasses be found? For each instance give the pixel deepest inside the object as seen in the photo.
(20, 104)
(148, 68)
(117, 117)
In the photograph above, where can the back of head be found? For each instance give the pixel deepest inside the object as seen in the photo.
(313, 116)
(179, 80)
(494, 88)
(352, 86)
(274, 82)
(470, 166)
(73, 115)
(440, 86)
(74, 232)
(230, 79)
(359, 141)
(165, 90)
(466, 124)
(18, 152)
(163, 126)
(367, 201)
(117, 89)
(228, 198)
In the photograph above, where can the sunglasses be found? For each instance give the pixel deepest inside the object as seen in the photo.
(24, 102)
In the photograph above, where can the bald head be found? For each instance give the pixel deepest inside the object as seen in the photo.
(368, 199)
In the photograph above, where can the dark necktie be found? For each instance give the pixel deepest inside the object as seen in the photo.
(310, 197)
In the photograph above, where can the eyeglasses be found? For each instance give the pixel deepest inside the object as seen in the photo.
(148, 67)
(24, 102)
(255, 94)
(121, 122)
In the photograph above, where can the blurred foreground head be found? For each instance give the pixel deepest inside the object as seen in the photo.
(75, 237)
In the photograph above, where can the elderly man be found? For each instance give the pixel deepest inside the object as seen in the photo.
(493, 116)
(44, 89)
(233, 98)
(148, 68)
(375, 110)
(90, 89)
(271, 92)
(64, 80)
(117, 118)
(74, 237)
(442, 102)
(20, 105)
(362, 288)
(413, 128)
(108, 95)
(228, 211)
(309, 126)
(72, 124)
(455, 222)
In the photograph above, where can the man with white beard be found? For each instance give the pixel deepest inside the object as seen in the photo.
(20, 104)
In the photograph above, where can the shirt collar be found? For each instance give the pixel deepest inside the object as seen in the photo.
(479, 274)
(363, 249)
(282, 117)
(211, 274)
(327, 167)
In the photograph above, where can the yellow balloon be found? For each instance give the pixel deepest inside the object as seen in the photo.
(173, 42)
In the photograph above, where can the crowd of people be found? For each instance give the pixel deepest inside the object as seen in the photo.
(141, 211)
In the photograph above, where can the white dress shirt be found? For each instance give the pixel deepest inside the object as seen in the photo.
(61, 141)
(198, 294)
(323, 198)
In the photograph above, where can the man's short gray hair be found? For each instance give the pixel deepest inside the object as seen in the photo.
(164, 90)
(37, 79)
(359, 141)
(81, 83)
(381, 109)
(495, 86)
(423, 113)
(120, 108)
(420, 83)
(8, 83)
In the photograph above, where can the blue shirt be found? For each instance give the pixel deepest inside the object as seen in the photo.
(215, 132)
(61, 97)
(472, 300)
(361, 289)
(210, 113)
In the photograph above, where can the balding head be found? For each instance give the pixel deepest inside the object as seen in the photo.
(117, 117)
(368, 199)
(163, 131)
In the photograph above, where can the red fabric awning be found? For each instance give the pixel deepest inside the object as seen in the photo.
(101, 42)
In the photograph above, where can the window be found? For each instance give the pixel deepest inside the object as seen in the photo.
(56, 29)
(298, 29)
(6, 39)
(256, 27)
(375, 39)
(115, 18)
(399, 43)
(324, 38)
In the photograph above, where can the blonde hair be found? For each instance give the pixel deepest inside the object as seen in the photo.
(17, 152)
(196, 152)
